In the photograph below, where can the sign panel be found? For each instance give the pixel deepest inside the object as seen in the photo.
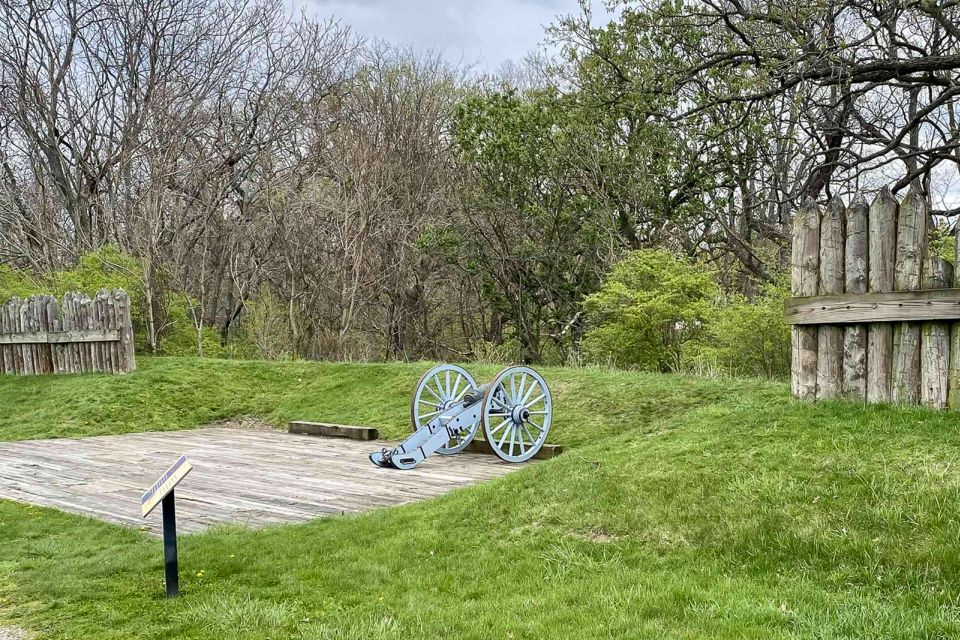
(164, 485)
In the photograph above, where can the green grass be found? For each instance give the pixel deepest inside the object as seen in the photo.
(179, 393)
(686, 508)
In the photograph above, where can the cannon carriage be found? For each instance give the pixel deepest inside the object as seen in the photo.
(448, 408)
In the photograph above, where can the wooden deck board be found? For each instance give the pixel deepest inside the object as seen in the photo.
(248, 477)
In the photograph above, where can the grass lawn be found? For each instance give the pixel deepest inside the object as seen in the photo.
(686, 508)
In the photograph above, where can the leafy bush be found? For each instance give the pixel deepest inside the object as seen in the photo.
(105, 268)
(659, 312)
(179, 335)
(941, 243)
(744, 338)
(650, 305)
(16, 284)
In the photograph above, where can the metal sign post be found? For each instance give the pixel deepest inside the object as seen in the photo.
(171, 569)
(162, 493)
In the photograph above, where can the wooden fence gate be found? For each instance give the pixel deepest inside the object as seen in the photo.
(875, 318)
(78, 335)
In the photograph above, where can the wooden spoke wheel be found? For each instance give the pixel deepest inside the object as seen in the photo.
(516, 413)
(439, 389)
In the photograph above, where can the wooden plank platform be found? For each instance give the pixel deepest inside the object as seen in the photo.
(254, 478)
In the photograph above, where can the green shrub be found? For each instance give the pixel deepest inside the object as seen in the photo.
(179, 334)
(649, 306)
(658, 312)
(16, 284)
(105, 268)
(744, 337)
(941, 243)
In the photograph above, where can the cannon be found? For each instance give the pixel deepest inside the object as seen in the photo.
(515, 409)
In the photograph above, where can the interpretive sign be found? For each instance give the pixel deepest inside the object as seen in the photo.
(163, 486)
(162, 492)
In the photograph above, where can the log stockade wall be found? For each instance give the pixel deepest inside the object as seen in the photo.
(77, 335)
(875, 318)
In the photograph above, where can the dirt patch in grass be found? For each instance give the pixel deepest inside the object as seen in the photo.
(244, 423)
(12, 633)
(601, 537)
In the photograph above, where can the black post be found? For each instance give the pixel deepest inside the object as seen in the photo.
(171, 569)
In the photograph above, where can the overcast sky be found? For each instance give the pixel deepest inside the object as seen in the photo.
(481, 32)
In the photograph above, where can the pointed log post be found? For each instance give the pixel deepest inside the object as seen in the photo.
(7, 326)
(882, 230)
(111, 323)
(911, 250)
(935, 340)
(953, 375)
(804, 280)
(830, 337)
(855, 269)
(83, 322)
(23, 324)
(46, 326)
(125, 324)
(100, 349)
(5, 366)
(70, 359)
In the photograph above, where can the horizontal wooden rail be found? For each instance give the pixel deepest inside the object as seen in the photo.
(895, 306)
(60, 337)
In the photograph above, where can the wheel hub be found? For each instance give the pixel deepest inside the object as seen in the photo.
(520, 414)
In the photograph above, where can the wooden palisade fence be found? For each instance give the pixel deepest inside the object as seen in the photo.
(872, 313)
(78, 335)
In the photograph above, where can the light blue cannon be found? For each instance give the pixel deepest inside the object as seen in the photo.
(448, 407)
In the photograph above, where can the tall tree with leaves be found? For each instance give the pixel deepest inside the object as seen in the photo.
(538, 240)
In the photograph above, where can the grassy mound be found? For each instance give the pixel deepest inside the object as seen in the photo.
(685, 509)
(178, 393)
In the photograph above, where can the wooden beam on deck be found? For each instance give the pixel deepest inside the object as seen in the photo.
(333, 430)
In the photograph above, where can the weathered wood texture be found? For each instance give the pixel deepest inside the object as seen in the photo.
(907, 273)
(77, 335)
(881, 250)
(57, 337)
(894, 306)
(830, 337)
(886, 316)
(953, 374)
(805, 277)
(254, 478)
(935, 340)
(855, 283)
(333, 430)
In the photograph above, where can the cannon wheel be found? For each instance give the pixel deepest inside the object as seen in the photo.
(516, 413)
(439, 388)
